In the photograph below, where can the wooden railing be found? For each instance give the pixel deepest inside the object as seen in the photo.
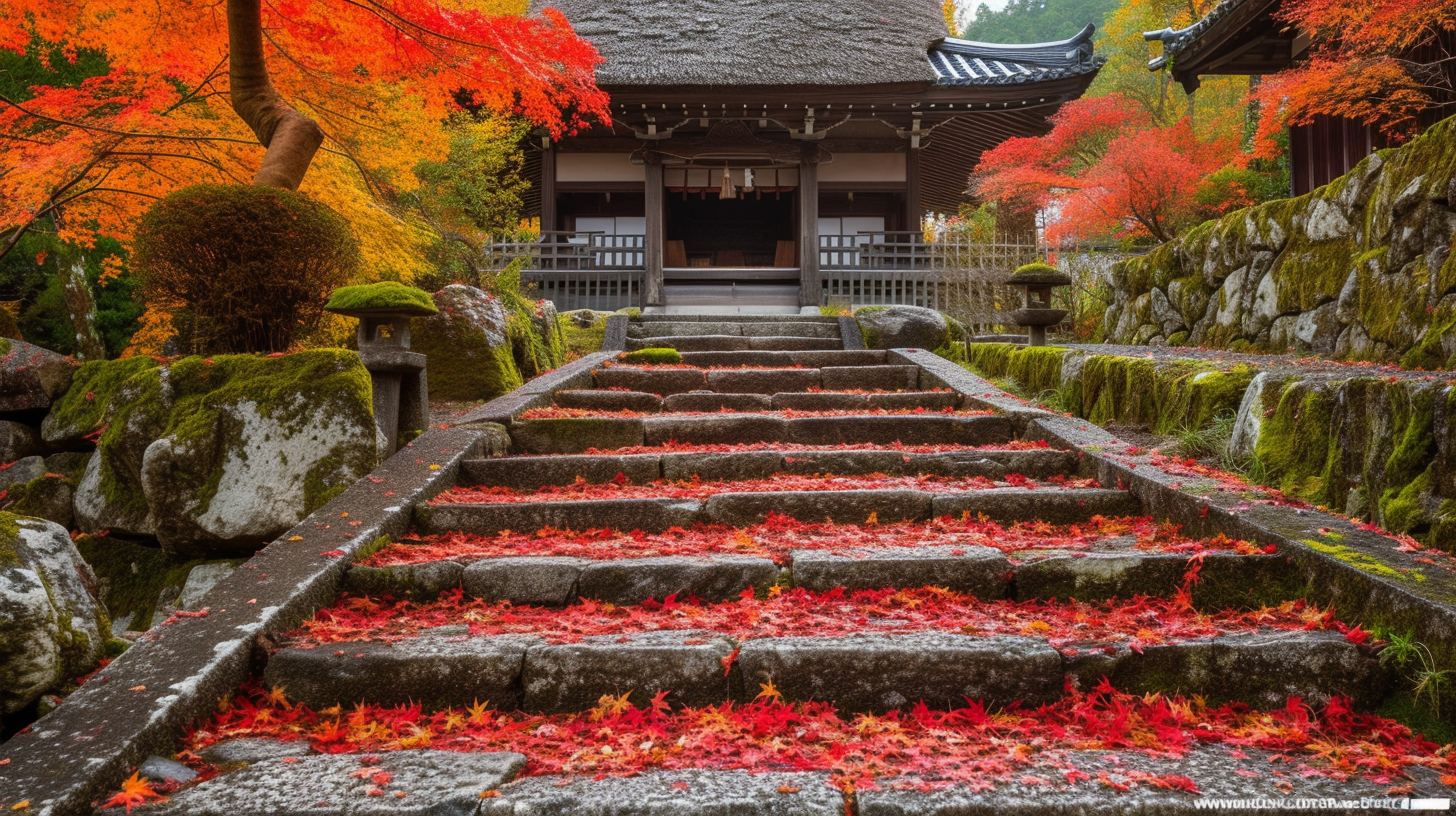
(558, 251)
(604, 290)
(952, 273)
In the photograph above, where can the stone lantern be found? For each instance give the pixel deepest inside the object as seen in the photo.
(401, 394)
(1037, 280)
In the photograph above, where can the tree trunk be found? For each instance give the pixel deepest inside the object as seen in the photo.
(290, 137)
(80, 305)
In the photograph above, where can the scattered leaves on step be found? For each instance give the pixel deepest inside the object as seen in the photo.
(973, 747)
(778, 535)
(1071, 626)
(698, 489)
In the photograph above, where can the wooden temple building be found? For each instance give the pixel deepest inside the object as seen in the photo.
(1247, 38)
(778, 152)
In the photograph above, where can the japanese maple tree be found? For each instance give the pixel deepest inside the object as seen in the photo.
(1380, 63)
(1107, 169)
(365, 81)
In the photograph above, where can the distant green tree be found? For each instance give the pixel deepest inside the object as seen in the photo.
(30, 278)
(1033, 21)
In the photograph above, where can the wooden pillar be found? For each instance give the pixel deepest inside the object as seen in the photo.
(809, 286)
(653, 242)
(913, 211)
(548, 188)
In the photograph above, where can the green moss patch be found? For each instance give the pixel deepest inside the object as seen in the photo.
(385, 296)
(651, 356)
(82, 409)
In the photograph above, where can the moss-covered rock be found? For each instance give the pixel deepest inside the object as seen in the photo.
(82, 409)
(583, 331)
(886, 327)
(31, 378)
(224, 453)
(382, 297)
(467, 345)
(52, 627)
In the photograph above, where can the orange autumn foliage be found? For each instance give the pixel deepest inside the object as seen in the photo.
(1380, 63)
(378, 78)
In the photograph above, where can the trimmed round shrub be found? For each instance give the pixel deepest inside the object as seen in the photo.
(251, 267)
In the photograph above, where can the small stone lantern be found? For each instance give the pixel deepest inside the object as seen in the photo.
(1037, 281)
(401, 394)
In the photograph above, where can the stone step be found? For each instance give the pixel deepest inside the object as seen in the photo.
(432, 782)
(1086, 782)
(649, 319)
(447, 666)
(769, 381)
(698, 328)
(783, 359)
(1053, 505)
(1226, 580)
(532, 472)
(709, 401)
(570, 435)
(730, 342)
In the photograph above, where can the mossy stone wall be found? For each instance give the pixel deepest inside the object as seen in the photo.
(1377, 449)
(1359, 269)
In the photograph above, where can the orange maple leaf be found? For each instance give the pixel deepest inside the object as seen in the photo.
(134, 791)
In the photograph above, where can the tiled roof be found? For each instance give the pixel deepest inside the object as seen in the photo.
(963, 62)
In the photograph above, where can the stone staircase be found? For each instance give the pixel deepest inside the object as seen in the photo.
(784, 520)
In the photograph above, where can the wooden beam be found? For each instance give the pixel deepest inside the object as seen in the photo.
(548, 190)
(653, 242)
(809, 226)
(912, 188)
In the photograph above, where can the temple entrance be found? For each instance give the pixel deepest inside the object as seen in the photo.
(706, 231)
(735, 254)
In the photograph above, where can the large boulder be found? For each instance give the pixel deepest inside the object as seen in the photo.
(903, 327)
(467, 345)
(52, 627)
(31, 378)
(223, 454)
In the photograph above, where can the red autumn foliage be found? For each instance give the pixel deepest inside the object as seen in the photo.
(662, 489)
(1107, 170)
(779, 535)
(973, 746)
(1071, 626)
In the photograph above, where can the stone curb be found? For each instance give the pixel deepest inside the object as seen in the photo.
(140, 704)
(1359, 571)
(614, 338)
(537, 393)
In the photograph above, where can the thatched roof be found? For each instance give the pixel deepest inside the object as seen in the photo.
(758, 42)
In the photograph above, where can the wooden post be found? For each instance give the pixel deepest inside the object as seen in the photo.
(548, 188)
(913, 212)
(653, 242)
(809, 286)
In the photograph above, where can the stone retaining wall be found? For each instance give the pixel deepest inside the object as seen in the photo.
(1359, 269)
(1378, 447)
